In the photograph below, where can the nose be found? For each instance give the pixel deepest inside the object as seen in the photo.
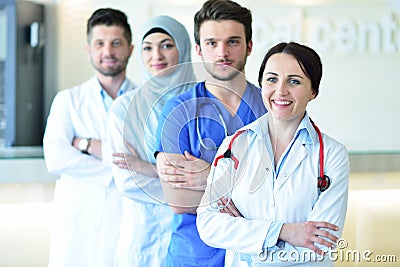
(223, 51)
(281, 88)
(156, 54)
(108, 49)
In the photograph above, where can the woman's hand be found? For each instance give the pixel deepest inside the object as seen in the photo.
(229, 207)
(127, 160)
(131, 161)
(307, 234)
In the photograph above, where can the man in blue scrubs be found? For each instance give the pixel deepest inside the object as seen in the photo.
(194, 124)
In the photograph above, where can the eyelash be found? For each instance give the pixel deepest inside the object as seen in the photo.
(274, 79)
(164, 46)
(230, 42)
(167, 46)
(114, 44)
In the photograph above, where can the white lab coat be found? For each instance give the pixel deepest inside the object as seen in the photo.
(87, 206)
(146, 220)
(292, 197)
(145, 229)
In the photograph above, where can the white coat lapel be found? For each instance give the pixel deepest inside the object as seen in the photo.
(296, 155)
(263, 167)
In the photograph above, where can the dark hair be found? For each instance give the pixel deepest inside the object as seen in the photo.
(155, 30)
(222, 10)
(308, 59)
(109, 17)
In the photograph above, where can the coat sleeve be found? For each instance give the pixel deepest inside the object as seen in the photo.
(60, 156)
(130, 183)
(220, 229)
(331, 205)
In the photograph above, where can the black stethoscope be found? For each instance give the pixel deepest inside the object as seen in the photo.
(323, 180)
(198, 107)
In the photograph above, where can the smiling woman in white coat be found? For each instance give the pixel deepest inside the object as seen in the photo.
(278, 192)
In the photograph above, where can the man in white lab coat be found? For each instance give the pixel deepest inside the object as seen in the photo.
(87, 206)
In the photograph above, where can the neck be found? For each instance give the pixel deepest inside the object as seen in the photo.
(111, 84)
(281, 134)
(230, 92)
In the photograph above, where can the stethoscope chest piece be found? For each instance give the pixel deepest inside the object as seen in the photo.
(323, 183)
(323, 180)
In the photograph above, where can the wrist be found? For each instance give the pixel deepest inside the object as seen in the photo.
(84, 144)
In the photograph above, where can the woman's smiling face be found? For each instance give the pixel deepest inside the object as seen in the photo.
(286, 89)
(159, 52)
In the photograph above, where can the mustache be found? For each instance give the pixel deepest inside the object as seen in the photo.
(108, 58)
(224, 61)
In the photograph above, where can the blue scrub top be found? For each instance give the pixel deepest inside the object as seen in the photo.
(177, 129)
(178, 132)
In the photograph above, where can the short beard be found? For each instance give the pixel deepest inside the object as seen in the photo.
(110, 73)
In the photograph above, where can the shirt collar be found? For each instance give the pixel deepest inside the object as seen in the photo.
(122, 89)
(107, 99)
(305, 131)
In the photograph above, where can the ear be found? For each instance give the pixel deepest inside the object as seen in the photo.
(198, 50)
(249, 47)
(131, 47)
(313, 95)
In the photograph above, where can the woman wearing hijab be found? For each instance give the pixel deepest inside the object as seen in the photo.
(145, 227)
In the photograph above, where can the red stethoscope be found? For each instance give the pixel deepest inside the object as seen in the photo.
(323, 180)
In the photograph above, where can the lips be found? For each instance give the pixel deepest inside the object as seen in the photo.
(159, 66)
(225, 63)
(109, 62)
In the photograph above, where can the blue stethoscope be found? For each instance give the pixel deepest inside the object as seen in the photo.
(323, 180)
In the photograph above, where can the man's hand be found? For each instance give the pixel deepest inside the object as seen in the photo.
(183, 171)
(306, 234)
